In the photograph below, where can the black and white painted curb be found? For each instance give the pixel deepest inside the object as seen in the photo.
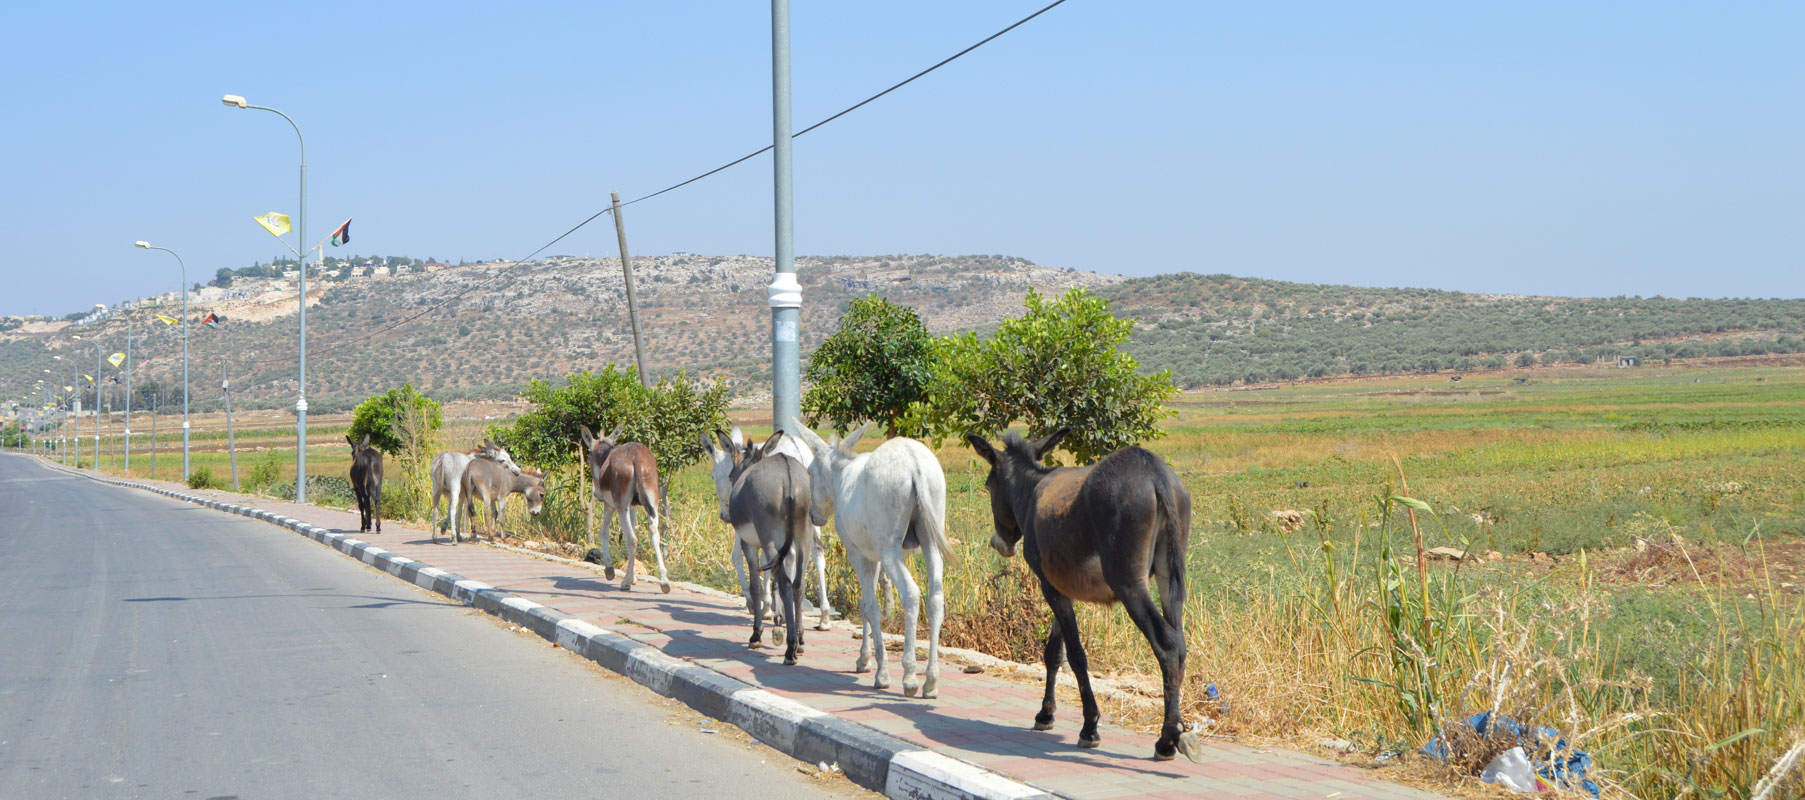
(870, 758)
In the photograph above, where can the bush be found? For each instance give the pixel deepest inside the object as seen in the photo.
(377, 417)
(874, 366)
(1056, 366)
(202, 478)
(670, 418)
(266, 472)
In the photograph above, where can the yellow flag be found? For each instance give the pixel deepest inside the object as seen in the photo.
(68, 388)
(276, 224)
(89, 377)
(116, 359)
(167, 320)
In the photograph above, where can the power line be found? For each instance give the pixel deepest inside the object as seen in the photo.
(736, 162)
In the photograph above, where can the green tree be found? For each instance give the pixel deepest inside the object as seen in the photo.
(224, 276)
(378, 415)
(878, 362)
(1055, 366)
(670, 418)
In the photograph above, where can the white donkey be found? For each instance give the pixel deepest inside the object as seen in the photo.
(448, 481)
(723, 484)
(889, 500)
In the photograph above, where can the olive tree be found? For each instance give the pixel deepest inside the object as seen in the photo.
(873, 367)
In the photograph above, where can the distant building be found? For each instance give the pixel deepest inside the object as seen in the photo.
(1627, 361)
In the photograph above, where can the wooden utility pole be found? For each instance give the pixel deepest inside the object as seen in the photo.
(626, 268)
(225, 386)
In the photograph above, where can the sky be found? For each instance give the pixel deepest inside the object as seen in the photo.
(1589, 149)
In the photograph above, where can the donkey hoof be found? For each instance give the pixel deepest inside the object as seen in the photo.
(608, 572)
(755, 645)
(789, 661)
(666, 586)
(861, 667)
(929, 691)
(1043, 726)
(911, 688)
(1191, 745)
(1089, 743)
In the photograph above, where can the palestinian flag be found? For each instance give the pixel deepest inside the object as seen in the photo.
(211, 321)
(342, 235)
(113, 379)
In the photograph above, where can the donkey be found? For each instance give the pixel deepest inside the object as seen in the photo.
(723, 465)
(448, 481)
(624, 475)
(768, 506)
(490, 483)
(366, 481)
(1095, 534)
(889, 501)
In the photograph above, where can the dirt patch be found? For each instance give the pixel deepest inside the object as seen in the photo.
(1675, 561)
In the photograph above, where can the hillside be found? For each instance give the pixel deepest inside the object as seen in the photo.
(1220, 329)
(498, 328)
(482, 331)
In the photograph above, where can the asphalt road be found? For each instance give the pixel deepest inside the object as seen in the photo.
(151, 648)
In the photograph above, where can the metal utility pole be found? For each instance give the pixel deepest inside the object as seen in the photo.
(225, 386)
(626, 268)
(128, 401)
(97, 373)
(785, 292)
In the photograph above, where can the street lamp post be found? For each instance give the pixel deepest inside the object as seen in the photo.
(237, 101)
(184, 267)
(785, 293)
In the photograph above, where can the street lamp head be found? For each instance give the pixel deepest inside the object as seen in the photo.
(233, 100)
(142, 243)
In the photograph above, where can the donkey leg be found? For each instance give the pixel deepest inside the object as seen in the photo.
(898, 570)
(827, 611)
(933, 562)
(1068, 630)
(1169, 650)
(871, 617)
(629, 541)
(607, 556)
(755, 595)
(1052, 656)
(664, 578)
(378, 501)
(785, 576)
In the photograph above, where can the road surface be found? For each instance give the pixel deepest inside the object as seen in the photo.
(153, 648)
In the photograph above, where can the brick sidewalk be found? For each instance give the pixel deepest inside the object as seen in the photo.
(978, 718)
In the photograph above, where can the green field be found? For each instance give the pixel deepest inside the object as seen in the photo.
(1637, 586)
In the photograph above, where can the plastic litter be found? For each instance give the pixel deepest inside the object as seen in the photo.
(1512, 771)
(1565, 766)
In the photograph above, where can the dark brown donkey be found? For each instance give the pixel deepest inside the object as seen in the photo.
(624, 475)
(366, 481)
(1095, 534)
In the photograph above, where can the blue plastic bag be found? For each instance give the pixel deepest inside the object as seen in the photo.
(1567, 770)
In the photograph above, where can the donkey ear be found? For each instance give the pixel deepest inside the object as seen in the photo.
(982, 446)
(852, 439)
(728, 444)
(615, 436)
(1046, 445)
(739, 437)
(770, 445)
(366, 444)
(350, 441)
(809, 438)
(587, 434)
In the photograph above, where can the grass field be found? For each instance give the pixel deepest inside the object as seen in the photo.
(1636, 581)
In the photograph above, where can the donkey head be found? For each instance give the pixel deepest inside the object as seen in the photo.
(534, 491)
(495, 452)
(1014, 471)
(830, 455)
(725, 456)
(596, 448)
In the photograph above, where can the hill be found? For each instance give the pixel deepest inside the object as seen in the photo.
(1221, 329)
(482, 331)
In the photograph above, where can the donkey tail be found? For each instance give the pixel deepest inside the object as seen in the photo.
(645, 491)
(1175, 513)
(930, 511)
(791, 523)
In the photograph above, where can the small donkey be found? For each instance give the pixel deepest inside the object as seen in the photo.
(624, 475)
(366, 481)
(490, 483)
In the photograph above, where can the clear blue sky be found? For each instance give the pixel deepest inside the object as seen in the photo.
(1544, 148)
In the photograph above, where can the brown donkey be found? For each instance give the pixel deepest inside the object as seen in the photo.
(624, 475)
(1096, 534)
(366, 481)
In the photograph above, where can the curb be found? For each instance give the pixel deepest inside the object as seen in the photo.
(877, 761)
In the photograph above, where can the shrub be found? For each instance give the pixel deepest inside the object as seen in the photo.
(378, 416)
(202, 478)
(670, 418)
(874, 366)
(266, 472)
